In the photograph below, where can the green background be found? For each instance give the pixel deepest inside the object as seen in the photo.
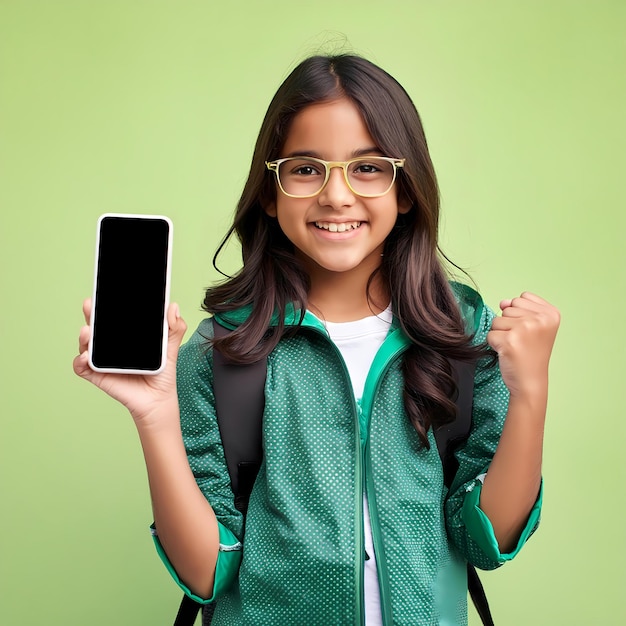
(154, 107)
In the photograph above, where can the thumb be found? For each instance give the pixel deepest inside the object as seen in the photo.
(177, 327)
(495, 340)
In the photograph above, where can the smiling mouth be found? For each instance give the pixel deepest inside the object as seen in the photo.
(340, 227)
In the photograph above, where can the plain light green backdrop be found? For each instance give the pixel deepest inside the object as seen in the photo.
(154, 106)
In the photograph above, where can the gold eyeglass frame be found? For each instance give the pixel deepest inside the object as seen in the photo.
(328, 165)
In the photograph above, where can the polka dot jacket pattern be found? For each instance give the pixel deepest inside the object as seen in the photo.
(303, 552)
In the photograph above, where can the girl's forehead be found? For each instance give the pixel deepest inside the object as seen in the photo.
(333, 130)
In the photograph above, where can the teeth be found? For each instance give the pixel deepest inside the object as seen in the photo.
(334, 227)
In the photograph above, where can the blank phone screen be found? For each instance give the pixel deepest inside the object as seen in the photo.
(131, 292)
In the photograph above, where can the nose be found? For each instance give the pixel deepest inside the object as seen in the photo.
(336, 193)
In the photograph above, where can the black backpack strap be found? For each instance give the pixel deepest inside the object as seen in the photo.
(187, 612)
(478, 596)
(239, 403)
(449, 437)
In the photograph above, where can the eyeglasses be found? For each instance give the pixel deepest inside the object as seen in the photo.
(305, 177)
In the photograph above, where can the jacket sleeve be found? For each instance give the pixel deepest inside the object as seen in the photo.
(206, 457)
(468, 527)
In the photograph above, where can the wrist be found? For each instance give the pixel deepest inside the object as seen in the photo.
(162, 417)
(529, 389)
(529, 403)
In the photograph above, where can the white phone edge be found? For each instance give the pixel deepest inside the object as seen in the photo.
(170, 238)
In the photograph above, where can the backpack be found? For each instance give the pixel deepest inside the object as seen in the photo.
(239, 404)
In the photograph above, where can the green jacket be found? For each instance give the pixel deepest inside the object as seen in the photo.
(302, 558)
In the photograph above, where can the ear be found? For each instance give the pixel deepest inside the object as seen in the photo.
(270, 209)
(404, 204)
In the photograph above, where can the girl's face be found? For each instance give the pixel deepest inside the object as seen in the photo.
(337, 230)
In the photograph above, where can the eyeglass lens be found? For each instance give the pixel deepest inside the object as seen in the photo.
(304, 177)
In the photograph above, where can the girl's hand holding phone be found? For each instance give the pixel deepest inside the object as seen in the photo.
(143, 396)
(523, 337)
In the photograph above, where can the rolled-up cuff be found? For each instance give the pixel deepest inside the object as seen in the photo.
(226, 568)
(481, 531)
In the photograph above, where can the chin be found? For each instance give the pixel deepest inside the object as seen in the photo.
(340, 267)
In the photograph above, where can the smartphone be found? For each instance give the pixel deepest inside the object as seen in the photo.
(131, 294)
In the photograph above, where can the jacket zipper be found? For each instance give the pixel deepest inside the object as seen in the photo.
(381, 561)
(360, 458)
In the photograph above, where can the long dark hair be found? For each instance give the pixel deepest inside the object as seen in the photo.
(272, 278)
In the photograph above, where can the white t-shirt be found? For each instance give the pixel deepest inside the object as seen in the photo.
(358, 343)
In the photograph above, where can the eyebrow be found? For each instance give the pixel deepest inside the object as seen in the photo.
(369, 151)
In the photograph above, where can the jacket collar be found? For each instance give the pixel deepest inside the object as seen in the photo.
(233, 319)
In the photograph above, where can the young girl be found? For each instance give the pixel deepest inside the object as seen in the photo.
(349, 521)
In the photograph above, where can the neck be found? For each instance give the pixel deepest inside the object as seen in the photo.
(337, 297)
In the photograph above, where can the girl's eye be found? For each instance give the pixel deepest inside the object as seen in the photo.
(302, 168)
(366, 168)
(305, 170)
